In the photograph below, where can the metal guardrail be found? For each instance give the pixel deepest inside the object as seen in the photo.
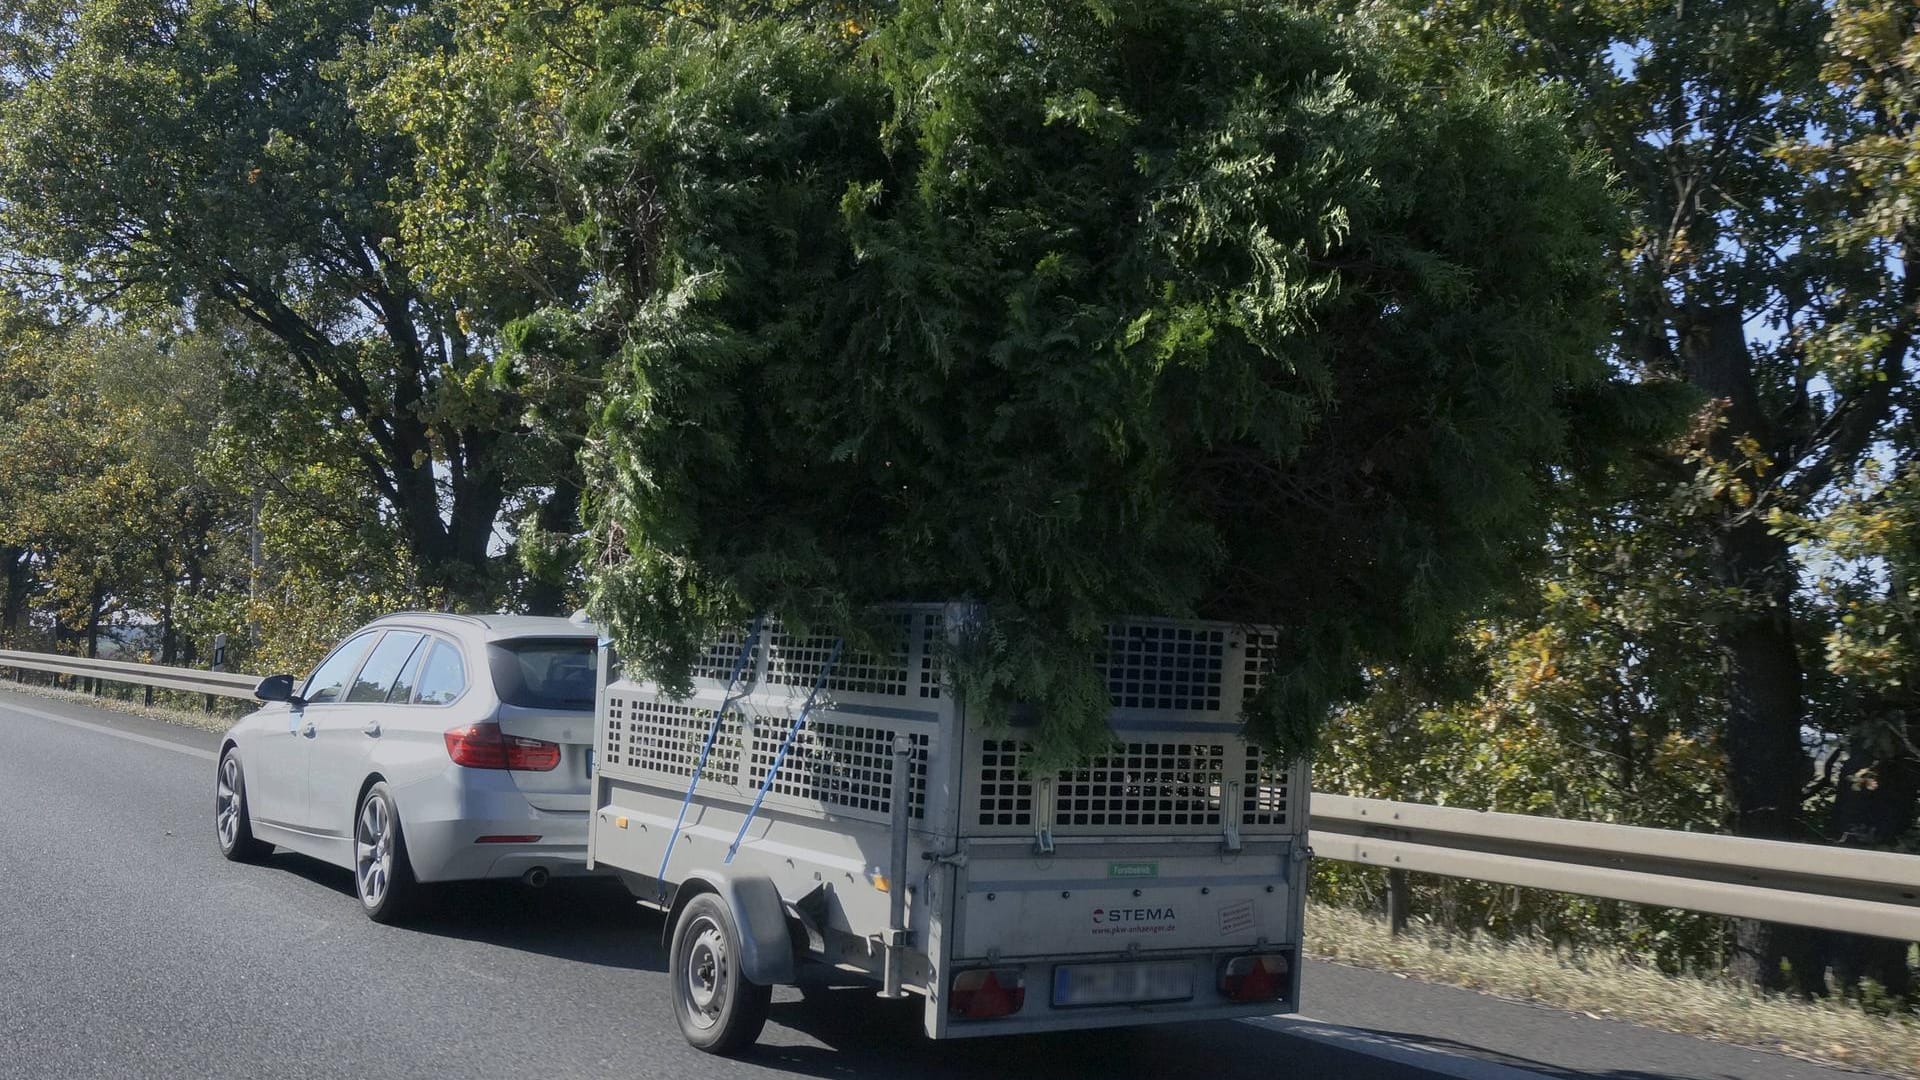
(1864, 892)
(1835, 888)
(218, 683)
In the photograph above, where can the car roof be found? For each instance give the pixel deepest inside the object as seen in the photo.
(492, 627)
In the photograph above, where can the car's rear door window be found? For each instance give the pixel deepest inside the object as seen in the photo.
(409, 677)
(383, 666)
(443, 677)
(329, 680)
(544, 673)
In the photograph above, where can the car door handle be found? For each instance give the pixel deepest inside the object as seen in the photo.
(372, 730)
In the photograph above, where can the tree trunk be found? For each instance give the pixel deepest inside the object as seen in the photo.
(558, 513)
(93, 636)
(1875, 803)
(1767, 770)
(18, 566)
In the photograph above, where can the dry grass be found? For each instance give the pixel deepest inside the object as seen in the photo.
(1833, 1032)
(134, 706)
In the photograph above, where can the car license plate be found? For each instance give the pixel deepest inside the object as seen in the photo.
(1122, 984)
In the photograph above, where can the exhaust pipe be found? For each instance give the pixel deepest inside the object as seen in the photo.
(536, 878)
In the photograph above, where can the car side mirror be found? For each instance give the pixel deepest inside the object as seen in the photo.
(277, 688)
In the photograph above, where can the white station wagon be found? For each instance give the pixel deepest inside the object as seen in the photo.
(425, 748)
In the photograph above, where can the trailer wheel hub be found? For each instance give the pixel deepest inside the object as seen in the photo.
(707, 971)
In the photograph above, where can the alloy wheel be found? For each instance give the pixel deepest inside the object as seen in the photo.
(373, 851)
(226, 805)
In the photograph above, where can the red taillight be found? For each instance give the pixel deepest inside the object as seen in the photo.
(986, 994)
(482, 746)
(531, 755)
(1254, 978)
(477, 746)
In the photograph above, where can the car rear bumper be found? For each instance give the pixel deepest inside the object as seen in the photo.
(449, 820)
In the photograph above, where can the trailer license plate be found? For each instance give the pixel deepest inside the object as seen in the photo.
(1122, 984)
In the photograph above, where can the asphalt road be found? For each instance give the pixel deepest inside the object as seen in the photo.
(129, 948)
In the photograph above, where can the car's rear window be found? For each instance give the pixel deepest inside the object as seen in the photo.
(554, 673)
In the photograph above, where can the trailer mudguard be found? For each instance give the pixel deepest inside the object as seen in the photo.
(766, 943)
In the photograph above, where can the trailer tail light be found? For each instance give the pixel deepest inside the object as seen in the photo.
(987, 993)
(1254, 978)
(483, 746)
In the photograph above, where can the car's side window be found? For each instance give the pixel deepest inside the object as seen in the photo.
(383, 666)
(402, 692)
(329, 680)
(443, 677)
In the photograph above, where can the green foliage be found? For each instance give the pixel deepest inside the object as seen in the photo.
(100, 433)
(1594, 696)
(1766, 153)
(1076, 311)
(228, 161)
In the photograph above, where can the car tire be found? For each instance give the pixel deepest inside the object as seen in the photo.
(718, 1008)
(232, 826)
(382, 875)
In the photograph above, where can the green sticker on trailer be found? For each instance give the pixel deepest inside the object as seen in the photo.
(1133, 870)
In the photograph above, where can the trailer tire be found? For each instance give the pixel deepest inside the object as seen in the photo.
(718, 1008)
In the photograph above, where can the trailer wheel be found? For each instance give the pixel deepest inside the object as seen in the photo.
(719, 1009)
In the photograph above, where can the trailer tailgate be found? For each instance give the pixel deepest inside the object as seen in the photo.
(1106, 896)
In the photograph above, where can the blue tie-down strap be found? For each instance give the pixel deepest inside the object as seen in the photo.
(785, 745)
(719, 717)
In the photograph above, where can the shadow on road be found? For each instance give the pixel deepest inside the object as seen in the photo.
(865, 1036)
(588, 921)
(597, 922)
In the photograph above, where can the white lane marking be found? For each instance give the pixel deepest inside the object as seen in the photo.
(1435, 1060)
(130, 736)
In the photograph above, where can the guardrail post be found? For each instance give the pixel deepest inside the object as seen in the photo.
(1399, 900)
(219, 663)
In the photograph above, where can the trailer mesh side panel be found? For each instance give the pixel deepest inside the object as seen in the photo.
(615, 730)
(1257, 663)
(1263, 800)
(721, 654)
(793, 661)
(1165, 666)
(933, 639)
(847, 766)
(665, 738)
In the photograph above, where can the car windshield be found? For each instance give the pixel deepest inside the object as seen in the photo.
(553, 673)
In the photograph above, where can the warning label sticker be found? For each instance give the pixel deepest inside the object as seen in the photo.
(1236, 918)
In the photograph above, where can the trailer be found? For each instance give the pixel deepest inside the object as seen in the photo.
(811, 813)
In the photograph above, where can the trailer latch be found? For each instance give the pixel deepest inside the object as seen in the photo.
(1230, 817)
(1043, 817)
(952, 858)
